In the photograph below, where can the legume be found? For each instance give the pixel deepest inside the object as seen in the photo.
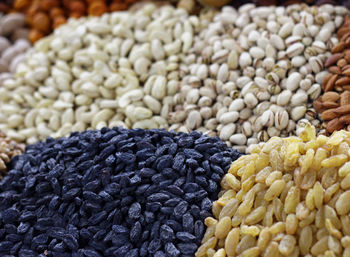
(254, 72)
(112, 192)
(120, 69)
(289, 197)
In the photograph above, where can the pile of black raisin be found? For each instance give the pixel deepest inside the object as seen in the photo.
(112, 192)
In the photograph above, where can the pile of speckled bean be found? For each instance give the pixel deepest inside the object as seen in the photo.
(255, 72)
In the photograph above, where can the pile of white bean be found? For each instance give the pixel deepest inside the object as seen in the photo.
(254, 72)
(121, 69)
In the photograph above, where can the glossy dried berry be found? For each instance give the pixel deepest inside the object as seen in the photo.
(112, 192)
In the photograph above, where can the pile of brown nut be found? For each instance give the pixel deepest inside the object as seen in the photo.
(8, 149)
(335, 109)
(334, 104)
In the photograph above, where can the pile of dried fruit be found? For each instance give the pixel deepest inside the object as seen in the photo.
(112, 193)
(290, 197)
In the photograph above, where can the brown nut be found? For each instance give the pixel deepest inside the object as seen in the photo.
(318, 106)
(335, 69)
(41, 22)
(344, 109)
(345, 36)
(97, 8)
(333, 59)
(330, 83)
(338, 48)
(215, 3)
(345, 98)
(47, 5)
(341, 63)
(328, 105)
(345, 67)
(329, 115)
(345, 119)
(58, 21)
(114, 7)
(35, 35)
(55, 12)
(346, 72)
(347, 57)
(77, 6)
(330, 97)
(21, 4)
(343, 81)
(334, 125)
(342, 31)
(326, 79)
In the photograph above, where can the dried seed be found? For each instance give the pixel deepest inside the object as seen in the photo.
(331, 83)
(342, 81)
(330, 97)
(329, 115)
(336, 70)
(345, 98)
(328, 105)
(345, 119)
(334, 125)
(113, 225)
(338, 48)
(344, 109)
(333, 59)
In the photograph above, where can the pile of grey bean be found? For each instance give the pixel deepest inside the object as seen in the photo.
(13, 43)
(254, 72)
